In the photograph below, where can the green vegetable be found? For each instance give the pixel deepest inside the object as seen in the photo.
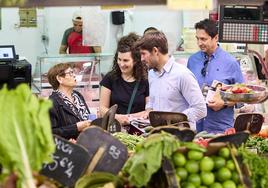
(148, 157)
(98, 179)
(261, 144)
(129, 140)
(258, 166)
(26, 141)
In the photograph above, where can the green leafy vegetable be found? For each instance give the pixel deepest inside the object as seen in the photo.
(26, 140)
(258, 166)
(129, 140)
(148, 157)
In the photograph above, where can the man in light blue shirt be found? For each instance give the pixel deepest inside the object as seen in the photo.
(173, 87)
(213, 63)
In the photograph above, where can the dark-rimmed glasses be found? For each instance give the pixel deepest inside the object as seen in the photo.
(204, 69)
(71, 73)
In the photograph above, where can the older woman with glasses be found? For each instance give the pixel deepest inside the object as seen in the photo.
(70, 112)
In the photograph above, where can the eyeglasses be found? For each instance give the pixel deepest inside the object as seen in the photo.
(204, 69)
(71, 73)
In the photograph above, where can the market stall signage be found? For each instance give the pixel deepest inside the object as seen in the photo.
(190, 4)
(69, 162)
(106, 153)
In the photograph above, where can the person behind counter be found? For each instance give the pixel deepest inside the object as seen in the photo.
(209, 64)
(70, 112)
(128, 74)
(72, 38)
(173, 87)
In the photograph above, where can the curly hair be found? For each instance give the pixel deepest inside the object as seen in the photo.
(127, 44)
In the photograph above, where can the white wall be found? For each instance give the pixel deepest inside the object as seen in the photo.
(52, 21)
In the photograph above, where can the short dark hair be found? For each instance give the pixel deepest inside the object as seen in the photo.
(56, 70)
(153, 39)
(149, 29)
(209, 26)
(126, 44)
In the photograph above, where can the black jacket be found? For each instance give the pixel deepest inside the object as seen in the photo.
(63, 119)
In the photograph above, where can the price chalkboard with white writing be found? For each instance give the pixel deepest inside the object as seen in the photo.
(69, 162)
(106, 153)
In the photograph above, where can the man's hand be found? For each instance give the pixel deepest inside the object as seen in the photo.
(216, 103)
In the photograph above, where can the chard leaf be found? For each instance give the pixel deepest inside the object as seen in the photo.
(26, 140)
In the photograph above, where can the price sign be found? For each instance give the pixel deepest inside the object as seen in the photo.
(69, 162)
(106, 153)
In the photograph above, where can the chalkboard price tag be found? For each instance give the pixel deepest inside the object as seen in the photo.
(106, 153)
(69, 162)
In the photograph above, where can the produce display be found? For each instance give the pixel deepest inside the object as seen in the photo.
(196, 169)
(129, 140)
(258, 143)
(148, 157)
(257, 165)
(26, 140)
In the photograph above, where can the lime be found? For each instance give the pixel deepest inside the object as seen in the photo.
(207, 178)
(224, 152)
(230, 164)
(215, 185)
(182, 173)
(179, 159)
(194, 179)
(192, 166)
(195, 155)
(188, 185)
(228, 184)
(219, 162)
(223, 174)
(206, 164)
(235, 177)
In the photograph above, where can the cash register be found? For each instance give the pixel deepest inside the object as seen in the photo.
(12, 70)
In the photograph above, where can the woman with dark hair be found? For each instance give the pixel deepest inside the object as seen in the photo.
(126, 84)
(70, 112)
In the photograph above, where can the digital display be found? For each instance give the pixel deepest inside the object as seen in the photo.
(7, 53)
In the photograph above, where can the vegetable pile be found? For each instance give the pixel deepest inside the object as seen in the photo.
(26, 140)
(129, 140)
(148, 158)
(261, 144)
(257, 165)
(194, 169)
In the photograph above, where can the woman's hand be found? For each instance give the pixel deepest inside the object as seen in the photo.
(83, 125)
(122, 118)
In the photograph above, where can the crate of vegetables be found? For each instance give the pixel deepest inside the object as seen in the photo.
(251, 94)
(213, 167)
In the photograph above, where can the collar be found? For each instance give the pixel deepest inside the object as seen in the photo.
(214, 55)
(167, 67)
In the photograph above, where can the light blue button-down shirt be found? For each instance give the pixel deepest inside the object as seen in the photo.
(221, 67)
(175, 89)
